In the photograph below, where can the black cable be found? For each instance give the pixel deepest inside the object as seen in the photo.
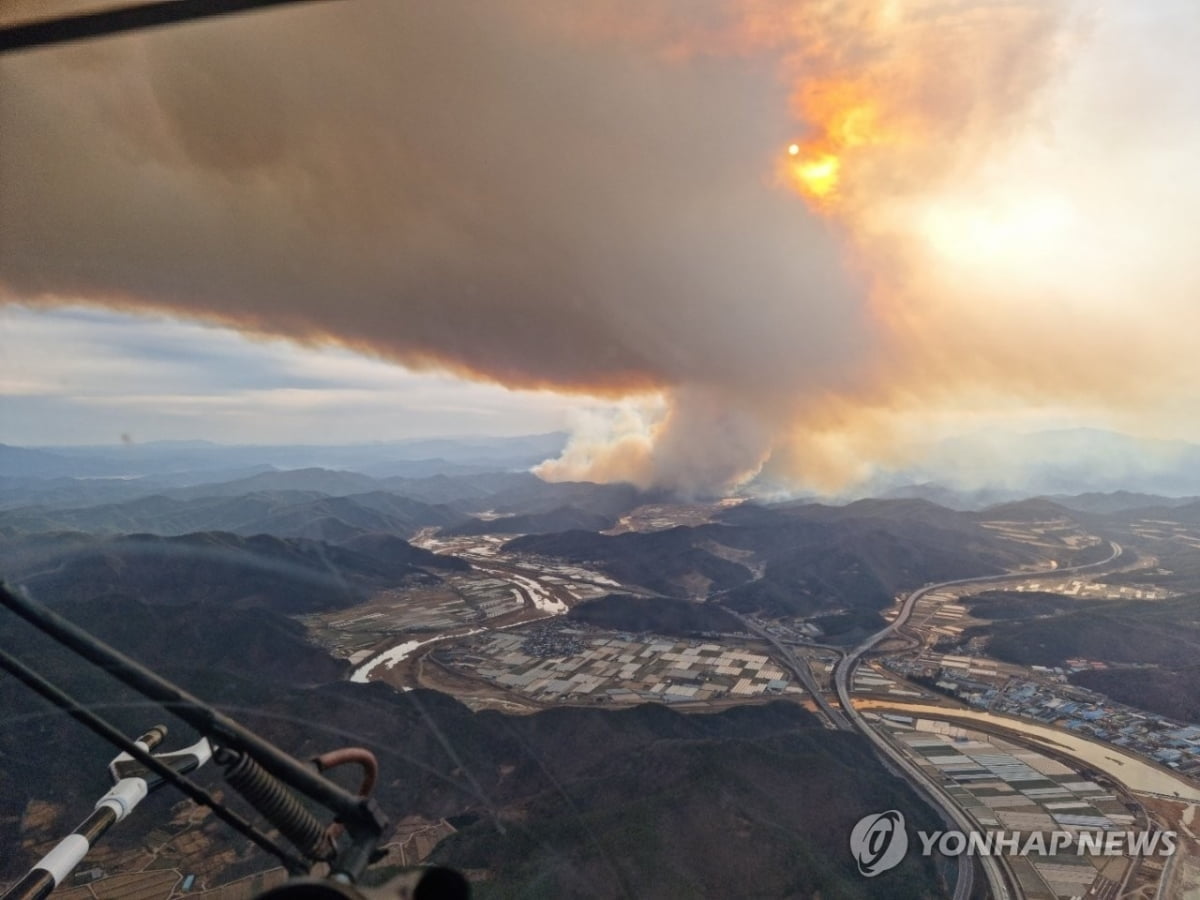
(357, 812)
(60, 30)
(97, 725)
(364, 821)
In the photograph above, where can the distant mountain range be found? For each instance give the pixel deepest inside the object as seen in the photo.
(413, 458)
(307, 514)
(961, 473)
(313, 502)
(810, 558)
(972, 472)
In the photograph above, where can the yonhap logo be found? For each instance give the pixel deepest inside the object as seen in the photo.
(879, 842)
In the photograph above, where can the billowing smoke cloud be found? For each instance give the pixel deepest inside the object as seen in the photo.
(597, 202)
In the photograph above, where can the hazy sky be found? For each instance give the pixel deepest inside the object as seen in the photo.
(707, 235)
(81, 375)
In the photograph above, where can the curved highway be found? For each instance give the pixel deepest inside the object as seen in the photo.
(950, 812)
(833, 717)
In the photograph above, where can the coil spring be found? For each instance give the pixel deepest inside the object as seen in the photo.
(278, 805)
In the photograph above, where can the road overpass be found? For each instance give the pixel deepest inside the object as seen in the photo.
(833, 716)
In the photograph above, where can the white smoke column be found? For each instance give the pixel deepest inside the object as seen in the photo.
(610, 443)
(696, 442)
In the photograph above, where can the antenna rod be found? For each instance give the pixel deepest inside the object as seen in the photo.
(100, 727)
(45, 32)
(363, 819)
(134, 782)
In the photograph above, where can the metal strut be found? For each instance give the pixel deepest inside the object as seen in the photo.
(133, 782)
(60, 30)
(102, 728)
(364, 822)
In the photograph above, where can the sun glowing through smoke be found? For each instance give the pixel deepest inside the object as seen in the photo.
(848, 121)
(815, 176)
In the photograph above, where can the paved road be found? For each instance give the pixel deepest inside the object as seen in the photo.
(833, 717)
(950, 812)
